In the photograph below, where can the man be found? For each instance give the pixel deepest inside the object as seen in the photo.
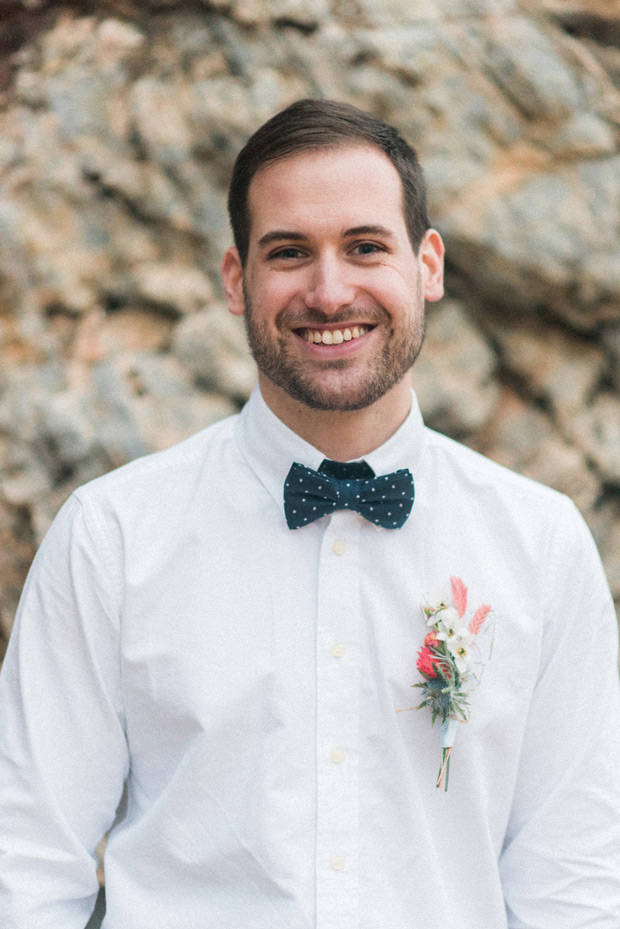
(214, 671)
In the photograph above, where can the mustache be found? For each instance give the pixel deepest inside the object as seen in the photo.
(315, 319)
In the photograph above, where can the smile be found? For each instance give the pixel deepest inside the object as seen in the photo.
(333, 336)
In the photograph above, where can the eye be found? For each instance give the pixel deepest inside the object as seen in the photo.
(368, 248)
(289, 252)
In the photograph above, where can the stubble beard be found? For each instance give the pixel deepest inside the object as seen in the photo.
(313, 386)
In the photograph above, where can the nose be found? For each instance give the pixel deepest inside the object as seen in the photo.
(329, 288)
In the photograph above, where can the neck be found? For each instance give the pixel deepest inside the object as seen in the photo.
(341, 436)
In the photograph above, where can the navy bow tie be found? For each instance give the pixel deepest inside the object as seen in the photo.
(385, 500)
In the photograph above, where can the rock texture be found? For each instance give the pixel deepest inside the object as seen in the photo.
(119, 122)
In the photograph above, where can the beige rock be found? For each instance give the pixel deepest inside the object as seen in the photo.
(158, 109)
(101, 335)
(174, 285)
(605, 524)
(453, 376)
(605, 9)
(298, 12)
(17, 548)
(597, 431)
(515, 433)
(525, 440)
(555, 365)
(162, 404)
(211, 345)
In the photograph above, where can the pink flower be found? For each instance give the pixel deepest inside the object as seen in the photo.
(431, 640)
(426, 662)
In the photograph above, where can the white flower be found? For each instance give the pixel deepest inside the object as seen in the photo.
(460, 648)
(450, 625)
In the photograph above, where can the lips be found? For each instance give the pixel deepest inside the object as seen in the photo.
(333, 336)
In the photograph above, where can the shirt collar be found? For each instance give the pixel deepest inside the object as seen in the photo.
(270, 447)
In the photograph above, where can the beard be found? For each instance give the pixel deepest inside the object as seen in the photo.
(343, 384)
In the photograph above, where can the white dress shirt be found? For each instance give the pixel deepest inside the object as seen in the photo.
(242, 680)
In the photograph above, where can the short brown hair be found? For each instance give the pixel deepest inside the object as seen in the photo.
(315, 124)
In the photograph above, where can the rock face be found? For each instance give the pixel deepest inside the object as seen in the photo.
(119, 123)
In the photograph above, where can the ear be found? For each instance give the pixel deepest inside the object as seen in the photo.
(431, 254)
(232, 274)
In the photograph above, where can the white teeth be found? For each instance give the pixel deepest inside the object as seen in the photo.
(334, 336)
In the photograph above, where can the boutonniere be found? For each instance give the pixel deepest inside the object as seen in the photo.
(450, 663)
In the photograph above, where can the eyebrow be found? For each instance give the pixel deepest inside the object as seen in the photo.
(370, 230)
(281, 235)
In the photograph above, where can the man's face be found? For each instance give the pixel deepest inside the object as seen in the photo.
(332, 290)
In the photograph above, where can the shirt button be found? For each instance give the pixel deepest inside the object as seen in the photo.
(337, 756)
(338, 547)
(337, 863)
(337, 650)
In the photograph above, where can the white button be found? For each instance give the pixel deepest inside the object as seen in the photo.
(338, 547)
(337, 756)
(338, 650)
(337, 862)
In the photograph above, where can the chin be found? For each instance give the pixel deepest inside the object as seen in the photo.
(343, 398)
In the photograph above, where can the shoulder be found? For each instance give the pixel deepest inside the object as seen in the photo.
(157, 494)
(479, 474)
(491, 505)
(168, 469)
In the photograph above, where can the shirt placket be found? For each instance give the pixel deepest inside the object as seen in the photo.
(338, 727)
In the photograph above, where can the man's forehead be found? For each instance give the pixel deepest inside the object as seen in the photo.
(345, 153)
(352, 182)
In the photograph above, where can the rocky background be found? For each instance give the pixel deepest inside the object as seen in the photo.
(119, 123)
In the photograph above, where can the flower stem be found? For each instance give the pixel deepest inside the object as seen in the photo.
(444, 770)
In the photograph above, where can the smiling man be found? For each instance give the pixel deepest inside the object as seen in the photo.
(333, 293)
(216, 646)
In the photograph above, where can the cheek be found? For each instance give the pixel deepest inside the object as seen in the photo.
(402, 299)
(272, 292)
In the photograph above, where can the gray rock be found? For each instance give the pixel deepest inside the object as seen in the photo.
(453, 376)
(213, 348)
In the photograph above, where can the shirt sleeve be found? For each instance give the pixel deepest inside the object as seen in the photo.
(561, 859)
(63, 752)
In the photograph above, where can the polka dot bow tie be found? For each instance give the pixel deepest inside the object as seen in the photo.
(309, 494)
